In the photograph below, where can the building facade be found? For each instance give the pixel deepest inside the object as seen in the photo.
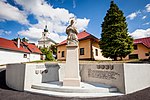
(16, 52)
(88, 48)
(141, 49)
(45, 41)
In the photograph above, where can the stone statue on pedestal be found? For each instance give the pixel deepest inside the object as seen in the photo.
(71, 69)
(72, 33)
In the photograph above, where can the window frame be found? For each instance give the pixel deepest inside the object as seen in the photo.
(147, 54)
(135, 47)
(81, 51)
(63, 54)
(96, 52)
(25, 55)
(131, 56)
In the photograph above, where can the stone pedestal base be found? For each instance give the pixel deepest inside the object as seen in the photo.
(71, 82)
(72, 77)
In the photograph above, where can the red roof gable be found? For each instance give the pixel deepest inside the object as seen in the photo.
(81, 35)
(32, 48)
(12, 45)
(144, 41)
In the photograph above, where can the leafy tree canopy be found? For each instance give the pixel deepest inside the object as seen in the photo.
(115, 40)
(47, 53)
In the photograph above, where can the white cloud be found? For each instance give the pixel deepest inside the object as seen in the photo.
(31, 33)
(82, 24)
(144, 17)
(9, 12)
(4, 32)
(57, 38)
(140, 33)
(148, 7)
(146, 23)
(133, 15)
(55, 18)
(34, 34)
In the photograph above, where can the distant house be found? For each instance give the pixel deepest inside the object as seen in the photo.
(16, 52)
(141, 49)
(45, 41)
(88, 48)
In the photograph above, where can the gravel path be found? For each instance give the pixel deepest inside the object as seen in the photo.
(9, 94)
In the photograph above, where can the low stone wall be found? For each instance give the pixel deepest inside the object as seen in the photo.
(22, 76)
(127, 78)
(15, 76)
(110, 74)
(136, 76)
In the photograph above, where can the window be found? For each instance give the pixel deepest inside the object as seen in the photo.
(133, 56)
(62, 54)
(25, 56)
(81, 51)
(147, 54)
(24, 47)
(135, 47)
(44, 34)
(96, 52)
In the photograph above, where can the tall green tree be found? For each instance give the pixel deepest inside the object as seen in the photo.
(115, 41)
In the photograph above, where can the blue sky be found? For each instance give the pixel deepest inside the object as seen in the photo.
(28, 17)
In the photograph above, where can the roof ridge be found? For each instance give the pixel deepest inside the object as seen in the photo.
(11, 45)
(143, 38)
(81, 35)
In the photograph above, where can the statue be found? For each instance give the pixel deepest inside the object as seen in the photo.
(72, 33)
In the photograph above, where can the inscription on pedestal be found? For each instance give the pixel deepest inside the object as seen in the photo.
(108, 67)
(103, 74)
(40, 66)
(40, 69)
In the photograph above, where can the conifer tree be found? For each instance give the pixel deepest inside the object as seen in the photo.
(115, 41)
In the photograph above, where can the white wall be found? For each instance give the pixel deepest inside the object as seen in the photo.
(34, 57)
(47, 44)
(22, 76)
(137, 77)
(15, 76)
(128, 78)
(7, 57)
(100, 56)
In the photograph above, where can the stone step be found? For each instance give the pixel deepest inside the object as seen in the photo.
(84, 88)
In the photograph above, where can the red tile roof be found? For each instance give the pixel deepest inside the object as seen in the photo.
(12, 45)
(144, 41)
(82, 35)
(32, 48)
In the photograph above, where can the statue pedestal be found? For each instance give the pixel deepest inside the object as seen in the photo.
(72, 77)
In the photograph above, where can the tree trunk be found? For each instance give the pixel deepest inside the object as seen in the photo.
(115, 58)
(121, 58)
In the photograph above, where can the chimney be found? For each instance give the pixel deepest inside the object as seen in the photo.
(18, 43)
(84, 30)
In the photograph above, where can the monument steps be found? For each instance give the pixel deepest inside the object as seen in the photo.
(84, 88)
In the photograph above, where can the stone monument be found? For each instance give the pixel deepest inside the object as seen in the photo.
(72, 77)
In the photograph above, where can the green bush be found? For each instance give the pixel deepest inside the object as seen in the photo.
(47, 53)
(49, 56)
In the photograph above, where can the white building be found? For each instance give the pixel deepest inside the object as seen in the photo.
(16, 52)
(45, 41)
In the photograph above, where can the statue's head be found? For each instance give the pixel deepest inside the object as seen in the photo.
(72, 21)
